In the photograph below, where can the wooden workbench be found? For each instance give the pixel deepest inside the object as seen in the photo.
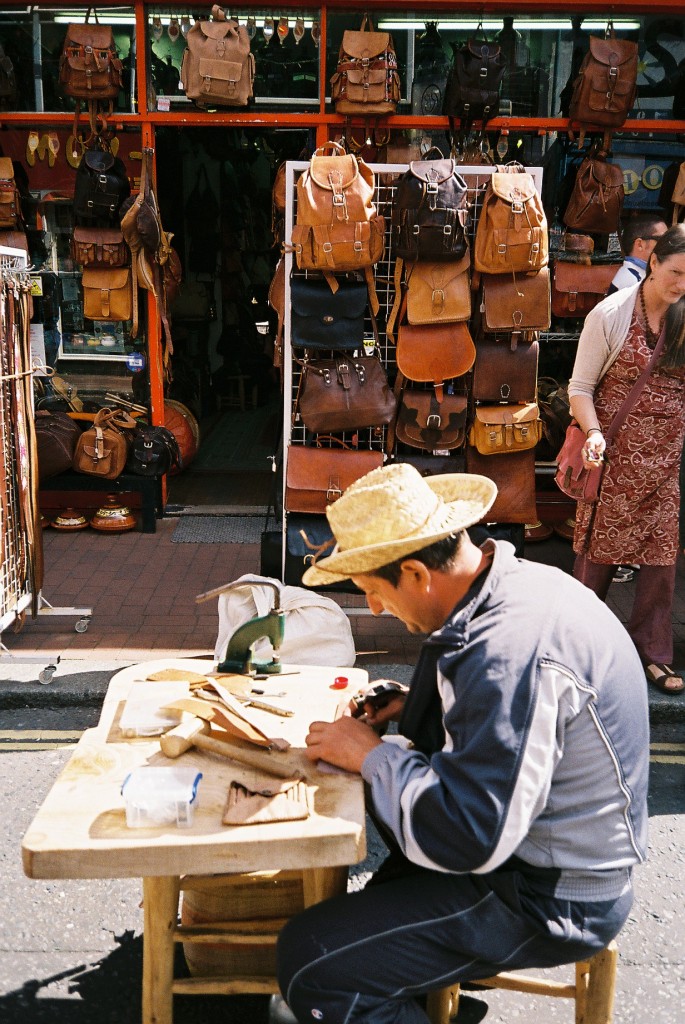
(80, 831)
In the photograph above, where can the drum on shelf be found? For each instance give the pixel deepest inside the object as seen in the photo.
(180, 421)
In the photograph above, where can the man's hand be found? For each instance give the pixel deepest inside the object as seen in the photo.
(380, 702)
(344, 743)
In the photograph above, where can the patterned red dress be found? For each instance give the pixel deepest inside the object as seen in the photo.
(636, 520)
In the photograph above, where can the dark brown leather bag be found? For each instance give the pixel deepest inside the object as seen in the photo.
(597, 198)
(605, 86)
(345, 393)
(316, 477)
(56, 437)
(99, 247)
(515, 479)
(89, 67)
(434, 352)
(425, 422)
(503, 373)
(518, 303)
(10, 208)
(576, 289)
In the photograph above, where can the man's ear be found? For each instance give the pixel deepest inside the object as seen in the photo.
(415, 572)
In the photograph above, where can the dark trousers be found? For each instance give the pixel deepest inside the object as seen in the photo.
(650, 625)
(365, 956)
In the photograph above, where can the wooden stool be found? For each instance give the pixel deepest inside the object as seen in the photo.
(593, 991)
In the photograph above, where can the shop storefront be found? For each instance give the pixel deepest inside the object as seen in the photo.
(215, 169)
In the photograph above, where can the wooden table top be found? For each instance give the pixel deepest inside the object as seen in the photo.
(80, 830)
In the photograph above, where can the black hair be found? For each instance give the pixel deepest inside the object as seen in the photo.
(672, 243)
(640, 226)
(439, 556)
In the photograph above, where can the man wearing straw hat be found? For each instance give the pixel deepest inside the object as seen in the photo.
(513, 798)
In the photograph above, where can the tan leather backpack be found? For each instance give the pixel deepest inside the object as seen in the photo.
(365, 80)
(218, 68)
(512, 228)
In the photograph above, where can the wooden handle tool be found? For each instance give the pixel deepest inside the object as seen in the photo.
(196, 733)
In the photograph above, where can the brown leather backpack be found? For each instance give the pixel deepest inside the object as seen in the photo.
(90, 69)
(366, 79)
(597, 197)
(10, 210)
(218, 68)
(605, 86)
(512, 228)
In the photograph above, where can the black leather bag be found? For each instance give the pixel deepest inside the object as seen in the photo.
(100, 188)
(321, 319)
(154, 451)
(430, 212)
(473, 84)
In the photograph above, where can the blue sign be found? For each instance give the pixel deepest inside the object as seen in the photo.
(136, 361)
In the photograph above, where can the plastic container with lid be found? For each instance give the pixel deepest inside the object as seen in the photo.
(157, 796)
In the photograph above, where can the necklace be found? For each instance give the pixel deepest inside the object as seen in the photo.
(651, 336)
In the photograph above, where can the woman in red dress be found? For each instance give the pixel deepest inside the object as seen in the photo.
(635, 520)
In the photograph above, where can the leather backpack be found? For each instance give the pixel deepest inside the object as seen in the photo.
(218, 68)
(605, 87)
(430, 212)
(678, 196)
(100, 188)
(90, 68)
(99, 247)
(596, 201)
(337, 227)
(511, 236)
(10, 209)
(474, 82)
(365, 80)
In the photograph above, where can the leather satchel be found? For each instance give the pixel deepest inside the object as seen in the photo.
(576, 289)
(502, 373)
(430, 212)
(515, 480)
(89, 67)
(56, 437)
(518, 304)
(107, 293)
(345, 393)
(503, 429)
(424, 421)
(322, 319)
(218, 68)
(316, 477)
(10, 208)
(102, 450)
(596, 200)
(434, 352)
(365, 80)
(99, 247)
(439, 292)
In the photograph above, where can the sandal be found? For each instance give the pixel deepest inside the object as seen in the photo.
(658, 674)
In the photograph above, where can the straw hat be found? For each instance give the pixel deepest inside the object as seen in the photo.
(394, 511)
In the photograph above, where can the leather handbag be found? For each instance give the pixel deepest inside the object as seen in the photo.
(424, 421)
(503, 429)
(56, 437)
(430, 212)
(576, 289)
(365, 80)
(438, 292)
(596, 200)
(518, 304)
(218, 68)
(515, 480)
(154, 451)
(434, 352)
(99, 247)
(503, 373)
(316, 477)
(102, 450)
(322, 319)
(345, 393)
(107, 293)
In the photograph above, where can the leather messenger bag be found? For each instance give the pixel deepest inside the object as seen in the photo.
(438, 292)
(516, 303)
(576, 289)
(502, 373)
(515, 479)
(316, 477)
(434, 352)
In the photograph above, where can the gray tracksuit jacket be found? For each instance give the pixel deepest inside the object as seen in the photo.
(528, 723)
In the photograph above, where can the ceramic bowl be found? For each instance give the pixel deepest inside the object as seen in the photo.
(70, 519)
(113, 516)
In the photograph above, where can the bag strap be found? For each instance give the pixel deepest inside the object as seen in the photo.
(632, 396)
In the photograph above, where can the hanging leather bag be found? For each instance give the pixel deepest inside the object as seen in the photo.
(430, 212)
(316, 477)
(218, 68)
(99, 247)
(107, 293)
(511, 235)
(503, 373)
(678, 196)
(365, 80)
(428, 421)
(596, 201)
(102, 450)
(10, 208)
(320, 319)
(434, 352)
(515, 480)
(439, 292)
(101, 186)
(606, 84)
(503, 429)
(345, 393)
(520, 304)
(474, 82)
(576, 289)
(89, 67)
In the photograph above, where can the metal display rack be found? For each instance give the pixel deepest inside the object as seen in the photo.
(15, 578)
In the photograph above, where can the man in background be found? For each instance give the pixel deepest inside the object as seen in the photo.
(638, 238)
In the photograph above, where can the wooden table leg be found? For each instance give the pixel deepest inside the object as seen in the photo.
(160, 913)
(321, 883)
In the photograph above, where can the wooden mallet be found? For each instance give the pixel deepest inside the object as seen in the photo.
(197, 733)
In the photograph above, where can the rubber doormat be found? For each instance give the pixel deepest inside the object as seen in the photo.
(218, 530)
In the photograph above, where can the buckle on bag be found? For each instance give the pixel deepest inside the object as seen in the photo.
(333, 492)
(433, 421)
